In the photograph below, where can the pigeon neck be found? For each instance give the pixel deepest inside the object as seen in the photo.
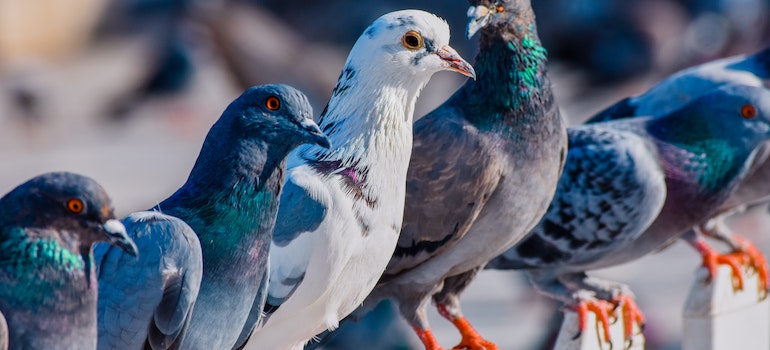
(512, 86)
(369, 122)
(695, 153)
(44, 266)
(231, 196)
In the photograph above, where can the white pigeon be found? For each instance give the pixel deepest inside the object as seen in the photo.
(341, 209)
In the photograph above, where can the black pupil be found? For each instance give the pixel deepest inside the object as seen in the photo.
(412, 40)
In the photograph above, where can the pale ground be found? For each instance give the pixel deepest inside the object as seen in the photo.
(143, 161)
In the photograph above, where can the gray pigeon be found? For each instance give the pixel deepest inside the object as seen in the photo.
(49, 291)
(342, 208)
(681, 88)
(230, 200)
(484, 167)
(612, 205)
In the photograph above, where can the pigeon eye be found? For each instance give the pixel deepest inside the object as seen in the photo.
(273, 103)
(500, 8)
(75, 205)
(748, 111)
(412, 40)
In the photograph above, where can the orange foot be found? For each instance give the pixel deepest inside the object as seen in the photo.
(756, 261)
(601, 308)
(631, 314)
(427, 338)
(471, 340)
(712, 259)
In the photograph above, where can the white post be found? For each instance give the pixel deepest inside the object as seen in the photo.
(593, 336)
(718, 318)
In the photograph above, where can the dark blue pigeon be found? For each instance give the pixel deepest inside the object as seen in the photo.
(631, 186)
(225, 211)
(47, 229)
(681, 88)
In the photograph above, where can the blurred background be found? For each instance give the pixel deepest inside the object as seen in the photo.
(125, 91)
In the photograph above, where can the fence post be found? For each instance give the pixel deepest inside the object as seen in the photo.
(592, 338)
(718, 318)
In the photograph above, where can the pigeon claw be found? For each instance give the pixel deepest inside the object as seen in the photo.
(631, 314)
(427, 339)
(471, 339)
(602, 309)
(712, 259)
(756, 261)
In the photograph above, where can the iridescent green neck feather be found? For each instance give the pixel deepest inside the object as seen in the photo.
(699, 151)
(37, 266)
(512, 85)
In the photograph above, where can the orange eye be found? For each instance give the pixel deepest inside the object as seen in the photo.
(748, 111)
(412, 40)
(500, 9)
(273, 103)
(75, 205)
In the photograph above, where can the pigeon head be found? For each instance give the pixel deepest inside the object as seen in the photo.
(409, 42)
(496, 14)
(75, 206)
(277, 114)
(734, 112)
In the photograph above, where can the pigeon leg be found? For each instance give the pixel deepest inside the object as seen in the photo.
(575, 291)
(742, 247)
(601, 308)
(620, 295)
(471, 340)
(448, 304)
(712, 258)
(631, 314)
(414, 313)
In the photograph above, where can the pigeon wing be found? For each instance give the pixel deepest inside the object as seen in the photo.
(451, 176)
(148, 300)
(611, 189)
(304, 206)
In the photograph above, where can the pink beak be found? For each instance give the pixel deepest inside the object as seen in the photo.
(455, 62)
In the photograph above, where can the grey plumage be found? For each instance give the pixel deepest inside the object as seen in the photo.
(49, 292)
(191, 292)
(147, 302)
(704, 150)
(681, 88)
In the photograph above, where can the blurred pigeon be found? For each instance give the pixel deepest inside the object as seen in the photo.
(612, 207)
(342, 208)
(3, 333)
(484, 168)
(230, 201)
(681, 88)
(48, 294)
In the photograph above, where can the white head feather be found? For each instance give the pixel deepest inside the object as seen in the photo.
(369, 117)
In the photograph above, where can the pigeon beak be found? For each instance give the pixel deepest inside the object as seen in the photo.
(117, 236)
(456, 63)
(314, 134)
(478, 17)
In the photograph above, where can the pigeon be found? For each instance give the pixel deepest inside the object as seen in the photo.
(49, 287)
(484, 167)
(3, 333)
(342, 208)
(632, 185)
(172, 298)
(681, 88)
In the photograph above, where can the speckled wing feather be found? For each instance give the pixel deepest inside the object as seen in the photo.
(451, 177)
(610, 190)
(148, 301)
